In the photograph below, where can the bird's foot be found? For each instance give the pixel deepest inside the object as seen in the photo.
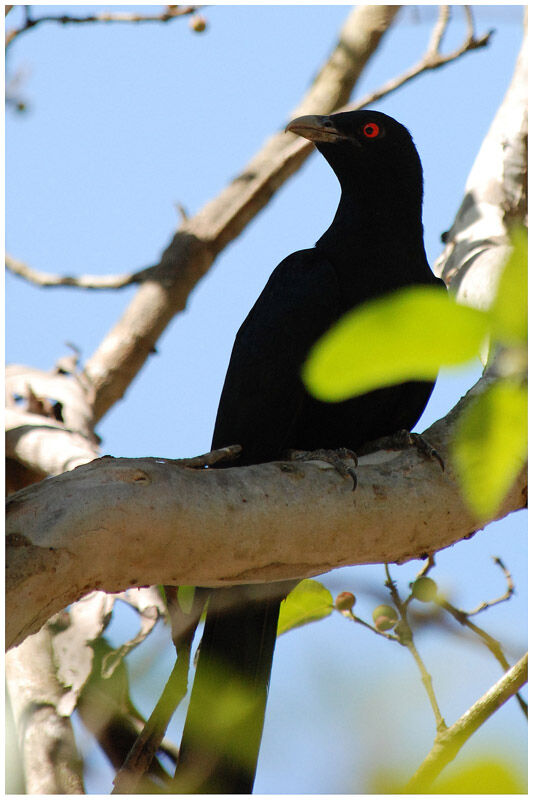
(403, 439)
(336, 458)
(426, 448)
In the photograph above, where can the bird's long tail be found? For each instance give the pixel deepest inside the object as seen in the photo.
(222, 734)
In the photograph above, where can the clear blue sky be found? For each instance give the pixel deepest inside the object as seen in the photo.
(123, 123)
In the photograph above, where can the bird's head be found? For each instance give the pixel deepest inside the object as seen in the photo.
(366, 149)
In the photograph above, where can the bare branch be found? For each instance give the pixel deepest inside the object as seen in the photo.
(170, 13)
(439, 30)
(506, 596)
(448, 743)
(492, 644)
(46, 279)
(432, 59)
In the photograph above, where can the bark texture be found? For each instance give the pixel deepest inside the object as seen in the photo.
(117, 523)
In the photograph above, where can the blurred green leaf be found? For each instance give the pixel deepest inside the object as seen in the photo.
(509, 310)
(309, 601)
(231, 729)
(186, 598)
(487, 775)
(490, 446)
(405, 336)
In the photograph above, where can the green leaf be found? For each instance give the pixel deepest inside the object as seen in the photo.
(488, 776)
(490, 446)
(309, 601)
(186, 598)
(234, 707)
(407, 335)
(509, 310)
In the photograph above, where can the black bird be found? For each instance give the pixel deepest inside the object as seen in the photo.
(373, 246)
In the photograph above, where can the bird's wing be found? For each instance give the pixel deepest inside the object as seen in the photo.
(263, 391)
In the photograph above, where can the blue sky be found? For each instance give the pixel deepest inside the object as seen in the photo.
(123, 123)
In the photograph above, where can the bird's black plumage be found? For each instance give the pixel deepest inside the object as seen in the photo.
(373, 246)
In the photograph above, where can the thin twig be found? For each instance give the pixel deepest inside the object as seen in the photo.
(469, 22)
(439, 30)
(405, 637)
(448, 743)
(506, 596)
(432, 59)
(463, 618)
(171, 12)
(348, 613)
(46, 279)
(229, 453)
(428, 566)
(427, 683)
(489, 641)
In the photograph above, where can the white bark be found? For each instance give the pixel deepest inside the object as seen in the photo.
(46, 740)
(477, 244)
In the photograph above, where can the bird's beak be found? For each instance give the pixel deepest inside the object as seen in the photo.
(315, 128)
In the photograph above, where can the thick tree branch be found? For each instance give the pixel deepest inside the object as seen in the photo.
(87, 528)
(48, 419)
(495, 198)
(52, 764)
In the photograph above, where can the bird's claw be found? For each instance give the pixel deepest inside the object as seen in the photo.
(426, 448)
(334, 457)
(403, 439)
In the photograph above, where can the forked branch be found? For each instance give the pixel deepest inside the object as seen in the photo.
(449, 742)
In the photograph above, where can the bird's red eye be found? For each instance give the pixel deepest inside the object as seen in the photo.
(371, 130)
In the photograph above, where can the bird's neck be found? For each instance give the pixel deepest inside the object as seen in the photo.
(361, 225)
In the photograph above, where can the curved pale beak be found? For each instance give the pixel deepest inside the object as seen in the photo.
(315, 128)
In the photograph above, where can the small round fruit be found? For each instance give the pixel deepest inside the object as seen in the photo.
(198, 23)
(424, 589)
(383, 623)
(386, 616)
(345, 601)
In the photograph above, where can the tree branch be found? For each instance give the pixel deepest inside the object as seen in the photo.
(87, 528)
(47, 279)
(52, 764)
(171, 12)
(477, 244)
(448, 743)
(432, 59)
